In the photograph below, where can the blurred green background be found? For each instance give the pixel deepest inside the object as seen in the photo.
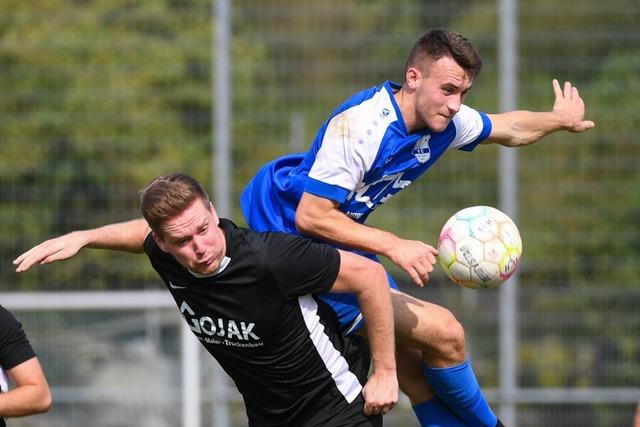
(99, 97)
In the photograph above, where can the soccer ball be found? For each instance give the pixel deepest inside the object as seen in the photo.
(479, 247)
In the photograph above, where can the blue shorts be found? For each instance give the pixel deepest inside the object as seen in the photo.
(346, 305)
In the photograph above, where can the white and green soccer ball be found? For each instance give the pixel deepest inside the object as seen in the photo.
(479, 247)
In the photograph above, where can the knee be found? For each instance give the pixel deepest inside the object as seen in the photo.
(450, 340)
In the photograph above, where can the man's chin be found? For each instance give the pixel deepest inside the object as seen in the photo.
(441, 125)
(204, 270)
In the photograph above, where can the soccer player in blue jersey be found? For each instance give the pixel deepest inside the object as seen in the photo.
(372, 146)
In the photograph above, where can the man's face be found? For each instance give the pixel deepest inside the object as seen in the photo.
(440, 90)
(194, 238)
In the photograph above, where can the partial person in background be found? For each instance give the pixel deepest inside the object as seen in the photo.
(372, 146)
(18, 363)
(252, 301)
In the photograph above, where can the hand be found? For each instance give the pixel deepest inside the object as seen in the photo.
(570, 107)
(380, 393)
(414, 257)
(56, 249)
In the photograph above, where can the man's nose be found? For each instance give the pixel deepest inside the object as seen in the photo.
(198, 246)
(454, 104)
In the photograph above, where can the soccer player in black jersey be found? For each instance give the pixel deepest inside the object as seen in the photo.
(252, 301)
(18, 362)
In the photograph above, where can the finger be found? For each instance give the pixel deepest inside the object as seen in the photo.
(39, 258)
(420, 268)
(27, 264)
(24, 255)
(433, 251)
(24, 266)
(429, 263)
(386, 408)
(574, 93)
(416, 277)
(556, 88)
(586, 125)
(567, 90)
(368, 409)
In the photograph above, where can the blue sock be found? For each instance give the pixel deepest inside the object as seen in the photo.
(457, 387)
(434, 413)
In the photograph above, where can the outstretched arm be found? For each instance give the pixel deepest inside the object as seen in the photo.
(321, 218)
(517, 128)
(31, 394)
(368, 280)
(124, 236)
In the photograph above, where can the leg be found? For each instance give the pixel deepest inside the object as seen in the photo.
(429, 409)
(438, 334)
(441, 360)
(409, 367)
(430, 328)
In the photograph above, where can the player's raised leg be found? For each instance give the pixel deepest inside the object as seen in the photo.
(444, 362)
(429, 409)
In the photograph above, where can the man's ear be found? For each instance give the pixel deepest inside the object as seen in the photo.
(159, 242)
(412, 77)
(212, 209)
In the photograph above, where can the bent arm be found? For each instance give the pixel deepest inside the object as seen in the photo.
(124, 236)
(516, 128)
(31, 394)
(368, 281)
(321, 218)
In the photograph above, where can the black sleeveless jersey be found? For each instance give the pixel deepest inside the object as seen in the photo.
(259, 316)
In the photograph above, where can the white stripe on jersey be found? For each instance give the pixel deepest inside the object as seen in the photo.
(351, 141)
(469, 126)
(345, 380)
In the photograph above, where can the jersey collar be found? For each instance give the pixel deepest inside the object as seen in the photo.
(223, 264)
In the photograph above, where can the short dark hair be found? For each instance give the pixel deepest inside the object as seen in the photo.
(436, 44)
(167, 196)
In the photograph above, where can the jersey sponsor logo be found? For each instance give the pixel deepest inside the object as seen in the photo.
(355, 215)
(376, 193)
(421, 150)
(217, 330)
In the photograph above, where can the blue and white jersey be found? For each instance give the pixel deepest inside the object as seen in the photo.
(361, 157)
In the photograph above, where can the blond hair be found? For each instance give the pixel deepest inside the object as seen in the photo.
(167, 196)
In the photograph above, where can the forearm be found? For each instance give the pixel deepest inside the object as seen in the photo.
(124, 236)
(31, 394)
(368, 281)
(517, 128)
(26, 400)
(375, 304)
(335, 227)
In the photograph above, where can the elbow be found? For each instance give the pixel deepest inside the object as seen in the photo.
(377, 276)
(44, 403)
(303, 222)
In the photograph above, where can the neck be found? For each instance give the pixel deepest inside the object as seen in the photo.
(405, 101)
